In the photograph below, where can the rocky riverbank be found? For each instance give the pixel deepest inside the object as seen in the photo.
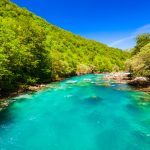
(120, 77)
(139, 83)
(4, 100)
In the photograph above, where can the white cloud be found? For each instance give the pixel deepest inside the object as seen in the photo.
(118, 42)
(128, 42)
(143, 29)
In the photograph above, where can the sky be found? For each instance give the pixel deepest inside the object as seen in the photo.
(113, 22)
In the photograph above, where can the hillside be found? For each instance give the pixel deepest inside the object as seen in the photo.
(35, 51)
(139, 63)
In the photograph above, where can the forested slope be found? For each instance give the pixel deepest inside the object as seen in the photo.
(139, 64)
(35, 51)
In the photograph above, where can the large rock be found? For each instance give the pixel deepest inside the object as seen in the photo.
(36, 87)
(140, 82)
(119, 76)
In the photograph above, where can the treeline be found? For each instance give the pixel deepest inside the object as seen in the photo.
(139, 64)
(34, 51)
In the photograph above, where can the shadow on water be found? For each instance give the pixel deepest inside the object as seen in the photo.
(6, 116)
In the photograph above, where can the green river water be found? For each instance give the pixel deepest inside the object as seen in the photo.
(79, 113)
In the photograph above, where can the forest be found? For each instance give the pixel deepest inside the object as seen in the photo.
(34, 51)
(139, 63)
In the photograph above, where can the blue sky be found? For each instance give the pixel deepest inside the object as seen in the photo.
(114, 22)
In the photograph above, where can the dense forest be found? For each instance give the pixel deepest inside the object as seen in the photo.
(34, 51)
(139, 63)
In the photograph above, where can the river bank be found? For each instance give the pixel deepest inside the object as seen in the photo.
(139, 84)
(4, 100)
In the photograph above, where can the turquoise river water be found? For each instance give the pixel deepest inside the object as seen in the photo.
(79, 113)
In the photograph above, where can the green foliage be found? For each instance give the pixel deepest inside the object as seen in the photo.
(34, 51)
(141, 41)
(139, 64)
(84, 69)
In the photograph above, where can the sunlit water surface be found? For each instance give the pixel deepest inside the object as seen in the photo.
(80, 113)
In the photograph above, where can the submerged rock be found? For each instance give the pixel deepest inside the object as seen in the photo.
(87, 80)
(93, 99)
(3, 104)
(71, 82)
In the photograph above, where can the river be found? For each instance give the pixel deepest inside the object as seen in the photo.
(79, 113)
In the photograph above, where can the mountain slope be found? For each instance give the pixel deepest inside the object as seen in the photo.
(139, 63)
(35, 51)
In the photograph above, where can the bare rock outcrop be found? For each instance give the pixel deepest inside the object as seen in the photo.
(121, 77)
(140, 82)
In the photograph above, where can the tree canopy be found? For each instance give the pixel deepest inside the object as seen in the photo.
(139, 64)
(141, 41)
